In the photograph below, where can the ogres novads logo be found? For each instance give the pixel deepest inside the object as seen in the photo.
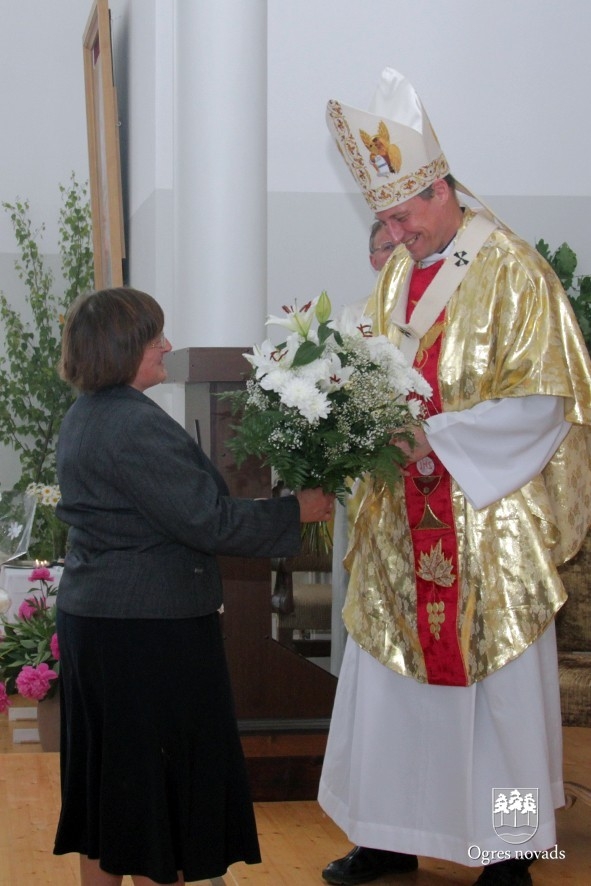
(515, 813)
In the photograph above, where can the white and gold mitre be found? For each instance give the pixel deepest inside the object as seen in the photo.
(392, 149)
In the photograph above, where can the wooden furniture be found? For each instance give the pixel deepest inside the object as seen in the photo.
(104, 156)
(283, 701)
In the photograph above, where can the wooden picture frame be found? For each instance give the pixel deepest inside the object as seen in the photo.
(103, 149)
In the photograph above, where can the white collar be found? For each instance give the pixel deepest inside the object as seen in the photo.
(437, 256)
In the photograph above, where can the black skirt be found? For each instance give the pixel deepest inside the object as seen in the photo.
(152, 770)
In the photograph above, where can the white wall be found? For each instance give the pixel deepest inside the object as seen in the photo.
(41, 107)
(505, 85)
(43, 125)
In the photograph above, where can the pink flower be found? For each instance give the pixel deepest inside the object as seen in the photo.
(35, 682)
(4, 699)
(54, 646)
(29, 608)
(41, 573)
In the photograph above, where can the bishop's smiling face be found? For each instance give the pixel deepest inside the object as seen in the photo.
(425, 226)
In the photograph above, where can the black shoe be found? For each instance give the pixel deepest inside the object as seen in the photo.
(513, 872)
(363, 865)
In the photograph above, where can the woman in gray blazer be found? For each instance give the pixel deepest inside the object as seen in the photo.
(153, 777)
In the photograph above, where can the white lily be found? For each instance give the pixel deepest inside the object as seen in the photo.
(298, 320)
(292, 343)
(334, 374)
(362, 326)
(265, 358)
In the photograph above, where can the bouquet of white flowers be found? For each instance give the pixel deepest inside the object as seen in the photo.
(323, 406)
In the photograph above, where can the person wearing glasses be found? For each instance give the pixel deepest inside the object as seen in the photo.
(381, 245)
(152, 772)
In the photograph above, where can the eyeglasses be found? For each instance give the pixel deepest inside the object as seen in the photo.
(160, 342)
(387, 247)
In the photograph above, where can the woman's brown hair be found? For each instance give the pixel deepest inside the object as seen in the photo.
(105, 336)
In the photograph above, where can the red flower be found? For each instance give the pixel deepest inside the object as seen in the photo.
(41, 573)
(54, 646)
(35, 682)
(30, 607)
(4, 699)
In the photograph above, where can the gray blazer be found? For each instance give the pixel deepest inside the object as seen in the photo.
(148, 512)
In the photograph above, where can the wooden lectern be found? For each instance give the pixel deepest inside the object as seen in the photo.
(283, 701)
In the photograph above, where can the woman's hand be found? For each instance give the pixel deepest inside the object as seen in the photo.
(316, 506)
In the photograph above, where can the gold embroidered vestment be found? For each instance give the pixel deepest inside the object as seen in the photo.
(508, 331)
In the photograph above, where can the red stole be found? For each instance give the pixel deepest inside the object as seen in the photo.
(430, 515)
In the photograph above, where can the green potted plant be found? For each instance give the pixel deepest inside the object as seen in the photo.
(29, 655)
(577, 287)
(34, 398)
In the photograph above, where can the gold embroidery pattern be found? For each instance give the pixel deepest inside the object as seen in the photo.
(436, 617)
(403, 188)
(427, 485)
(438, 569)
(348, 147)
(407, 186)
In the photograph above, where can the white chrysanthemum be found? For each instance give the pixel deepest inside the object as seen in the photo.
(420, 385)
(274, 380)
(415, 407)
(315, 371)
(382, 350)
(402, 378)
(301, 394)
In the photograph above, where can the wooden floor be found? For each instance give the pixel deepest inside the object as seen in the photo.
(297, 839)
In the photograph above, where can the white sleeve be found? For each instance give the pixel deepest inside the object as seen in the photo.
(498, 446)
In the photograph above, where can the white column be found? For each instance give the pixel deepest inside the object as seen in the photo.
(220, 172)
